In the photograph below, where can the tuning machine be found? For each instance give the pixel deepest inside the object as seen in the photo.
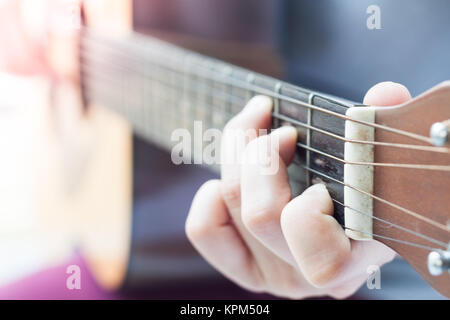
(438, 262)
(439, 133)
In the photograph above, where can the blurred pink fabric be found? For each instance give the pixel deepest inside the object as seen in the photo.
(50, 284)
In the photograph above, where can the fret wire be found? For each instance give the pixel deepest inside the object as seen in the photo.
(250, 80)
(246, 86)
(160, 112)
(276, 103)
(308, 140)
(209, 98)
(187, 97)
(218, 117)
(228, 72)
(177, 123)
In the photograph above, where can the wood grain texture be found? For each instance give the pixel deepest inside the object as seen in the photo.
(425, 192)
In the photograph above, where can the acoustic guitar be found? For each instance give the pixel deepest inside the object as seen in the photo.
(387, 169)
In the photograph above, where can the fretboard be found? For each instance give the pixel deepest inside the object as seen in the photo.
(159, 87)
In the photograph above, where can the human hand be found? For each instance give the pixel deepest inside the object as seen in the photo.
(38, 37)
(250, 229)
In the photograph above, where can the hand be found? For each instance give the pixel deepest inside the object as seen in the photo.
(247, 226)
(31, 34)
(19, 52)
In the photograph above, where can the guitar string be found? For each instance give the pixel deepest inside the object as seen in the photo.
(420, 235)
(268, 92)
(409, 212)
(387, 202)
(377, 164)
(394, 239)
(384, 144)
(397, 165)
(243, 84)
(214, 92)
(246, 85)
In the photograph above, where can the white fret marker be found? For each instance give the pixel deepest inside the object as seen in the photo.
(359, 206)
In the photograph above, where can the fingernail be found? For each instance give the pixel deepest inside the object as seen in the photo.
(316, 188)
(258, 104)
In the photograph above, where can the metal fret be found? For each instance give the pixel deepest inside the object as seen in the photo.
(276, 104)
(308, 139)
(250, 80)
(228, 72)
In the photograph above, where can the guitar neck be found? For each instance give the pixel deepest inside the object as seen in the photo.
(159, 87)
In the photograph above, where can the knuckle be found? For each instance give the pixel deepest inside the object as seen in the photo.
(288, 213)
(257, 219)
(259, 144)
(321, 274)
(230, 190)
(255, 144)
(252, 151)
(259, 215)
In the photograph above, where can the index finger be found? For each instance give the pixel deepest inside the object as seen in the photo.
(246, 126)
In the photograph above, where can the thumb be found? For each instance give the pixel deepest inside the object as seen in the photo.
(387, 94)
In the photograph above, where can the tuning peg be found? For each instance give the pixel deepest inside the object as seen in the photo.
(438, 262)
(439, 133)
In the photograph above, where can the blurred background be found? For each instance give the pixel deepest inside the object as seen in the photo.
(78, 188)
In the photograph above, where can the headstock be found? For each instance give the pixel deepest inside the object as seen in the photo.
(422, 193)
